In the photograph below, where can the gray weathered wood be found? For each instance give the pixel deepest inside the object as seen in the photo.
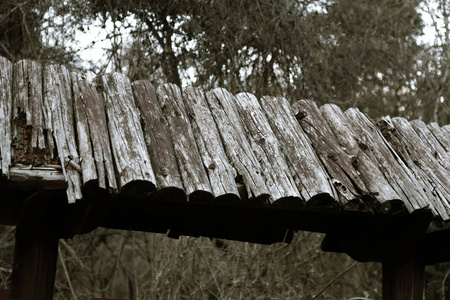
(446, 130)
(236, 144)
(336, 161)
(28, 98)
(193, 172)
(374, 180)
(92, 132)
(59, 119)
(395, 171)
(6, 106)
(131, 157)
(419, 158)
(32, 142)
(266, 148)
(441, 134)
(309, 175)
(221, 174)
(426, 136)
(158, 141)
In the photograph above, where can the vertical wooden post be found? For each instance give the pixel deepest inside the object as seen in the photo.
(34, 268)
(36, 249)
(404, 277)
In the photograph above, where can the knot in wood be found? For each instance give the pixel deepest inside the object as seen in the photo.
(332, 156)
(301, 115)
(164, 171)
(212, 166)
(362, 146)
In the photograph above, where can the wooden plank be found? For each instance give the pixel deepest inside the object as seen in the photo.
(435, 147)
(96, 159)
(266, 148)
(372, 177)
(36, 178)
(220, 172)
(132, 161)
(308, 173)
(442, 135)
(159, 142)
(32, 142)
(419, 158)
(6, 107)
(446, 130)
(193, 173)
(394, 169)
(336, 161)
(236, 144)
(59, 119)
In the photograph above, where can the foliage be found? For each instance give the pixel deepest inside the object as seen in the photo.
(362, 54)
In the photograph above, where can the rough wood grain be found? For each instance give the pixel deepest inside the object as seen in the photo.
(32, 143)
(308, 173)
(419, 158)
(237, 146)
(374, 180)
(220, 173)
(427, 136)
(59, 118)
(266, 148)
(132, 162)
(6, 106)
(446, 130)
(336, 161)
(395, 171)
(159, 142)
(92, 133)
(441, 134)
(193, 172)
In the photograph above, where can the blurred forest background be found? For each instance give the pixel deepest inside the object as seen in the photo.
(386, 57)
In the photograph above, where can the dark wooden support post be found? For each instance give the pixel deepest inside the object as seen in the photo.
(34, 268)
(404, 278)
(36, 249)
(398, 243)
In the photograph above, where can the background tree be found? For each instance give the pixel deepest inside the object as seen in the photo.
(361, 54)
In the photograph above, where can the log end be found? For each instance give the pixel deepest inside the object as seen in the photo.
(169, 194)
(323, 201)
(138, 188)
(227, 199)
(201, 197)
(363, 204)
(289, 203)
(393, 207)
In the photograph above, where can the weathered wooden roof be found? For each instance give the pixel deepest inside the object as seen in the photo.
(61, 129)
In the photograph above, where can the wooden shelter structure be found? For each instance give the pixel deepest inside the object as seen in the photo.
(79, 151)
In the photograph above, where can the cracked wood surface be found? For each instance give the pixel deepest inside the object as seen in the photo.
(308, 173)
(6, 107)
(236, 144)
(104, 132)
(92, 131)
(158, 141)
(193, 173)
(131, 158)
(220, 172)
